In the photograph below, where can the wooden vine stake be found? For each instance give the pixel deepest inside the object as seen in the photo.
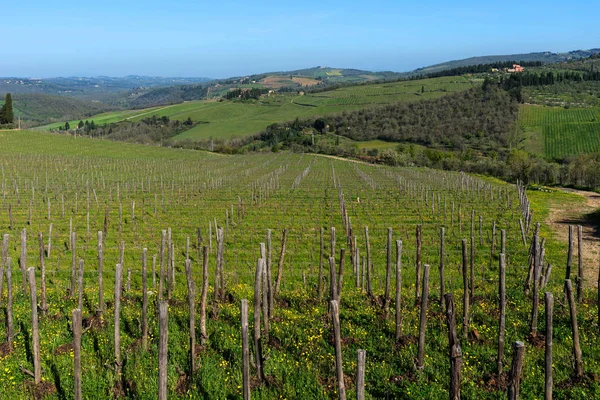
(203, 296)
(44, 305)
(245, 351)
(388, 270)
(257, 306)
(144, 299)
(23, 259)
(442, 274)
(360, 374)
(514, 376)
(117, 312)
(191, 302)
(321, 256)
(466, 290)
(575, 329)
(549, 302)
(163, 317)
(454, 350)
(502, 307)
(76, 315)
(423, 318)
(101, 304)
(579, 263)
(335, 315)
(35, 330)
(398, 289)
(281, 260)
(10, 330)
(418, 264)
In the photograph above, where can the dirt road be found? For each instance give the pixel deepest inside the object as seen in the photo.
(559, 220)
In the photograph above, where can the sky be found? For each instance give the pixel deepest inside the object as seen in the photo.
(218, 39)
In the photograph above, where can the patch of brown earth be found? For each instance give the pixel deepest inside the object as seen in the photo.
(559, 220)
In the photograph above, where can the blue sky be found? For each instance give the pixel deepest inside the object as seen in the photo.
(226, 38)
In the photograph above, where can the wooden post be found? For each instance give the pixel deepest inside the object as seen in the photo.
(388, 270)
(245, 351)
(360, 374)
(76, 314)
(502, 307)
(35, 331)
(144, 299)
(503, 242)
(101, 305)
(49, 241)
(80, 286)
(281, 259)
(269, 275)
(163, 311)
(423, 319)
(549, 301)
(23, 259)
(321, 255)
(472, 270)
(570, 253)
(44, 305)
(418, 265)
(203, 334)
(257, 307)
(454, 350)
(398, 289)
(442, 274)
(579, 263)
(161, 274)
(575, 329)
(332, 280)
(523, 232)
(340, 281)
(514, 376)
(335, 315)
(117, 312)
(154, 271)
(192, 312)
(466, 290)
(10, 331)
(493, 243)
(73, 263)
(369, 288)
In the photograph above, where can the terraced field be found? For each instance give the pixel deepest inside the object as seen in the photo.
(557, 132)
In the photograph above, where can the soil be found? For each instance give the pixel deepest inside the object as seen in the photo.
(559, 221)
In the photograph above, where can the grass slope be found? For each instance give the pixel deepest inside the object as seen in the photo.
(229, 119)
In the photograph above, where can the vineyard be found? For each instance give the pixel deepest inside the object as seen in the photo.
(563, 132)
(267, 275)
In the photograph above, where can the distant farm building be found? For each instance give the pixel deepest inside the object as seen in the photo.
(515, 68)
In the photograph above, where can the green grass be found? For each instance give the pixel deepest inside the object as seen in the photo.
(556, 132)
(141, 190)
(377, 144)
(106, 118)
(229, 119)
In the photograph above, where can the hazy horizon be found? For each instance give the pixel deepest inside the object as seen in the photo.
(189, 39)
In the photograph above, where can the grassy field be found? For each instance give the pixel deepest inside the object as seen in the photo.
(134, 192)
(108, 117)
(557, 132)
(229, 119)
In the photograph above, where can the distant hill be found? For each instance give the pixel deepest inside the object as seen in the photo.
(101, 88)
(544, 57)
(38, 108)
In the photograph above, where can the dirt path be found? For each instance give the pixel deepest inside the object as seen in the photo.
(559, 221)
(150, 112)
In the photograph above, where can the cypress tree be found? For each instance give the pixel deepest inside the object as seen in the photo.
(6, 112)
